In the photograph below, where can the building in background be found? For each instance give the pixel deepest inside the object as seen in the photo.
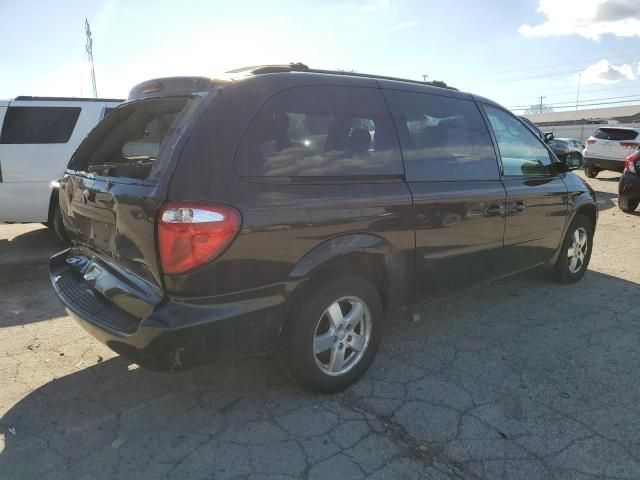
(581, 124)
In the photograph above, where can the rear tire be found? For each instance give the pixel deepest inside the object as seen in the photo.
(627, 205)
(575, 252)
(328, 319)
(58, 225)
(591, 171)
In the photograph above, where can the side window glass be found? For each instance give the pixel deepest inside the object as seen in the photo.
(521, 151)
(621, 135)
(33, 125)
(321, 132)
(601, 135)
(442, 138)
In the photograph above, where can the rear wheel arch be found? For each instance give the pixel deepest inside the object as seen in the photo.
(369, 266)
(368, 256)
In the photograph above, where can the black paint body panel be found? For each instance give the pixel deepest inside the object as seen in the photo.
(427, 239)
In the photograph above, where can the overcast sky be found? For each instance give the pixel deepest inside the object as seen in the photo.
(511, 51)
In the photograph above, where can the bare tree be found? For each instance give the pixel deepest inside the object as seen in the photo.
(538, 109)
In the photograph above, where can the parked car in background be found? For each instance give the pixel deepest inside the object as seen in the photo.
(573, 143)
(629, 185)
(566, 149)
(38, 135)
(294, 209)
(608, 148)
(571, 148)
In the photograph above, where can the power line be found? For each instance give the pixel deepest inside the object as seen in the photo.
(583, 101)
(533, 77)
(585, 89)
(571, 90)
(588, 104)
(547, 66)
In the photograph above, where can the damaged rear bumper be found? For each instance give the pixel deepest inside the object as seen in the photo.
(178, 332)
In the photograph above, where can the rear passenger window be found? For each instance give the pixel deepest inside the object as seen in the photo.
(321, 132)
(601, 135)
(39, 124)
(442, 138)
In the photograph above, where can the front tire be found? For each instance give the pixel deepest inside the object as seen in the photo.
(333, 333)
(627, 205)
(575, 252)
(590, 171)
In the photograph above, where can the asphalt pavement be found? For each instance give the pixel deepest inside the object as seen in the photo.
(519, 379)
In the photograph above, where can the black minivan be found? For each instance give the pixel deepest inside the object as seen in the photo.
(292, 209)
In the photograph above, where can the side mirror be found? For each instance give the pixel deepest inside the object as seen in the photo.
(562, 166)
(548, 136)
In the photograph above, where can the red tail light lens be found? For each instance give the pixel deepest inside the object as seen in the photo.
(152, 87)
(629, 144)
(591, 141)
(190, 235)
(630, 163)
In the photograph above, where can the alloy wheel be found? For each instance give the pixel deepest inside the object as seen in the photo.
(577, 251)
(342, 336)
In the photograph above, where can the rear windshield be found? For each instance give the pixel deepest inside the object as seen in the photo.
(617, 134)
(127, 143)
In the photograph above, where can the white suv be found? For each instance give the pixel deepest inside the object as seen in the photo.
(607, 149)
(38, 135)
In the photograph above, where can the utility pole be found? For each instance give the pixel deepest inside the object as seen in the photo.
(575, 117)
(541, 97)
(424, 77)
(89, 47)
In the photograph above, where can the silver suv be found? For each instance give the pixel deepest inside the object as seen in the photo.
(608, 148)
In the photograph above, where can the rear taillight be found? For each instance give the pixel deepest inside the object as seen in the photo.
(591, 141)
(153, 86)
(629, 145)
(190, 235)
(631, 163)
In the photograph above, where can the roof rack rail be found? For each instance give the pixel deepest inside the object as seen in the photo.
(68, 99)
(301, 67)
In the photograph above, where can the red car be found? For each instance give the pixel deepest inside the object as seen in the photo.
(629, 186)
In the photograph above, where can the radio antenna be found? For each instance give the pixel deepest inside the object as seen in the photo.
(89, 47)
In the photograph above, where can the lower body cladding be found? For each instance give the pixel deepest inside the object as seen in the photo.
(178, 333)
(605, 164)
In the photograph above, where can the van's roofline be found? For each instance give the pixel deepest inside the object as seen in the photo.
(66, 99)
(184, 84)
(301, 67)
(189, 84)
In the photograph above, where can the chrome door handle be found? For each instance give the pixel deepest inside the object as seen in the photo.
(495, 210)
(517, 206)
